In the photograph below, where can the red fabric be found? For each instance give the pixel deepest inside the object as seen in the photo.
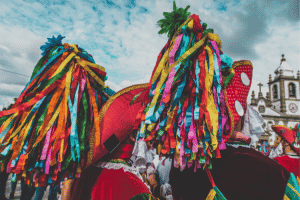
(236, 90)
(119, 118)
(117, 184)
(123, 151)
(291, 164)
(288, 134)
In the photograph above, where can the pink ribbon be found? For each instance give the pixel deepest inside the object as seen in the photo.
(222, 145)
(182, 150)
(189, 164)
(8, 168)
(81, 88)
(171, 61)
(46, 144)
(197, 166)
(48, 161)
(221, 97)
(192, 135)
(59, 166)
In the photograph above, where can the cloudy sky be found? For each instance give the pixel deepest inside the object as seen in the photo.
(122, 35)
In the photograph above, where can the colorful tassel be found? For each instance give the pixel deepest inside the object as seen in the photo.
(45, 134)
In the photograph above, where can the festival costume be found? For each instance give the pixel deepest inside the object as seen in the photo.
(292, 136)
(45, 135)
(114, 179)
(291, 163)
(195, 98)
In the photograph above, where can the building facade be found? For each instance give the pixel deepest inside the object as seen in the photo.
(281, 105)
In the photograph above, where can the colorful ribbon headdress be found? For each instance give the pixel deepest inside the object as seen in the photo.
(291, 135)
(46, 134)
(188, 112)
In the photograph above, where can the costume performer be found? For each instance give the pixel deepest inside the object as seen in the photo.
(276, 148)
(195, 98)
(112, 177)
(290, 141)
(52, 130)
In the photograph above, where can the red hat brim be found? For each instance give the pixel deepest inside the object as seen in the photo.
(117, 119)
(287, 134)
(236, 92)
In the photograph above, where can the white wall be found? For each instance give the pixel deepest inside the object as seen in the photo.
(292, 124)
(277, 105)
(261, 103)
(269, 123)
(288, 112)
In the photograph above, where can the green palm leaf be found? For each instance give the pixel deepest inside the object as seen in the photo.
(173, 20)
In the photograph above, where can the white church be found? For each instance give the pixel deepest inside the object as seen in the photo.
(282, 103)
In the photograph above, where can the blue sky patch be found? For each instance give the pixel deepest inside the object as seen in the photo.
(122, 35)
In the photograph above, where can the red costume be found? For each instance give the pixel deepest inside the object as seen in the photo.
(115, 179)
(121, 185)
(290, 163)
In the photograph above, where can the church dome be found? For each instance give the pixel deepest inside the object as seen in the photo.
(284, 66)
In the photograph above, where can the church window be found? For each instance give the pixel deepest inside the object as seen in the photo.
(275, 92)
(292, 90)
(261, 109)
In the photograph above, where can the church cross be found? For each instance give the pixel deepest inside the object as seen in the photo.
(260, 86)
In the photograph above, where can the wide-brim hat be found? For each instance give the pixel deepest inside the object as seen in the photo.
(117, 118)
(237, 90)
(289, 135)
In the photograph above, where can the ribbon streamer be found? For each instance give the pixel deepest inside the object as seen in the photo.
(44, 137)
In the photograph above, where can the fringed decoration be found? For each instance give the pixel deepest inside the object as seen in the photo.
(45, 135)
(185, 114)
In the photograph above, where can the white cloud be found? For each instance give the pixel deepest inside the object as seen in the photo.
(125, 41)
(126, 83)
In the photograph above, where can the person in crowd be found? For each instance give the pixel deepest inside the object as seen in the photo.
(276, 148)
(289, 138)
(194, 113)
(44, 135)
(154, 170)
(3, 180)
(112, 176)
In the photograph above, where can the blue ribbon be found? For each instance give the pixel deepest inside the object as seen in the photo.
(5, 151)
(197, 108)
(3, 134)
(74, 132)
(226, 61)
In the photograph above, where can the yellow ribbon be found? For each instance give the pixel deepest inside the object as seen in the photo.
(215, 38)
(151, 126)
(96, 115)
(211, 195)
(26, 131)
(75, 49)
(17, 130)
(169, 120)
(168, 69)
(211, 108)
(52, 120)
(64, 63)
(191, 25)
(6, 123)
(61, 151)
(85, 65)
